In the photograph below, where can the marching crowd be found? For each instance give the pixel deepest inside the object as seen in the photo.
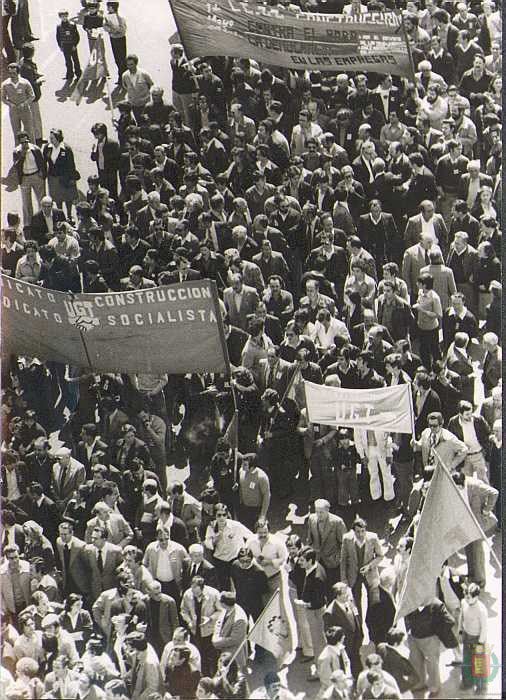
(352, 224)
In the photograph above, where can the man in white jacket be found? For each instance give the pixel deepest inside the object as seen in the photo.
(376, 447)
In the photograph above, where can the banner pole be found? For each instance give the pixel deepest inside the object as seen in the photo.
(483, 535)
(408, 46)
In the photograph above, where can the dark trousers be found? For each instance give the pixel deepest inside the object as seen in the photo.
(170, 588)
(208, 654)
(468, 680)
(119, 50)
(71, 61)
(248, 515)
(429, 347)
(223, 569)
(109, 180)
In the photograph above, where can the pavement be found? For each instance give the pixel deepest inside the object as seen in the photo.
(150, 24)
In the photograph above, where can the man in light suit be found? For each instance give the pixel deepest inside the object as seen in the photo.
(361, 553)
(240, 301)
(145, 674)
(200, 610)
(437, 443)
(274, 373)
(103, 558)
(160, 553)
(325, 532)
(231, 629)
(343, 613)
(481, 499)
(66, 476)
(119, 531)
(71, 561)
(427, 221)
(416, 257)
(14, 569)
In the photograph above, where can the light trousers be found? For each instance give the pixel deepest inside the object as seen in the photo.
(31, 183)
(424, 655)
(377, 461)
(22, 120)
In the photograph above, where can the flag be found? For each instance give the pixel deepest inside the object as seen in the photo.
(96, 69)
(276, 629)
(446, 525)
(388, 408)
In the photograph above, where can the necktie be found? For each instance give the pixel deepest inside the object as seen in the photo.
(100, 561)
(66, 557)
(193, 571)
(63, 476)
(427, 259)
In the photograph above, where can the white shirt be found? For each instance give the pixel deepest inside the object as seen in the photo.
(29, 164)
(164, 571)
(12, 486)
(469, 435)
(428, 227)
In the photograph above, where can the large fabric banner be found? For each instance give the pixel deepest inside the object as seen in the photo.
(276, 628)
(446, 525)
(390, 408)
(175, 329)
(372, 41)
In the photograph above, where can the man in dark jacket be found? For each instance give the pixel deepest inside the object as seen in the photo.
(29, 164)
(428, 627)
(106, 154)
(67, 38)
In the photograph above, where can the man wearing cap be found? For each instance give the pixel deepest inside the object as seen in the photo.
(67, 38)
(115, 25)
(67, 474)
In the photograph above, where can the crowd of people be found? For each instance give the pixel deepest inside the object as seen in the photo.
(352, 225)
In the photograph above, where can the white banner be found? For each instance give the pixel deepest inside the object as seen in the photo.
(389, 408)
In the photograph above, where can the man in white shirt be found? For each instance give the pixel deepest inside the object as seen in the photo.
(269, 553)
(473, 630)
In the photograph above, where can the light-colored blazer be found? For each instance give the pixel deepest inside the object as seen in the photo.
(116, 525)
(177, 555)
(328, 546)
(6, 590)
(230, 633)
(148, 676)
(210, 610)
(349, 560)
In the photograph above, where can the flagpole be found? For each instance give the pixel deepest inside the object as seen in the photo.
(468, 507)
(244, 641)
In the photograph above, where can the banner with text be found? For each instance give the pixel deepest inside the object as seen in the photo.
(175, 329)
(373, 41)
(390, 408)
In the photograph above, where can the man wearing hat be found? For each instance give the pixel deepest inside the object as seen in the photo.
(115, 25)
(67, 38)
